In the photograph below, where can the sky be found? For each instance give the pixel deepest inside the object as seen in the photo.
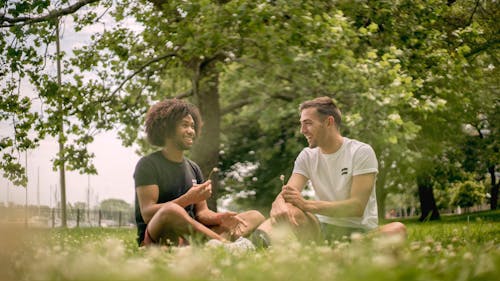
(115, 164)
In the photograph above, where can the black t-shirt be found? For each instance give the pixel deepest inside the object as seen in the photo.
(173, 180)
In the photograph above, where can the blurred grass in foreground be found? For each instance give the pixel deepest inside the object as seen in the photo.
(463, 247)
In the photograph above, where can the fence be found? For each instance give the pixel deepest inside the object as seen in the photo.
(34, 216)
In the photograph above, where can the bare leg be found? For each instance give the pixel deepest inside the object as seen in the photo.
(252, 218)
(172, 221)
(266, 227)
(308, 228)
(392, 228)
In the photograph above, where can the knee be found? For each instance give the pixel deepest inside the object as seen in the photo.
(170, 211)
(256, 217)
(252, 218)
(395, 228)
(400, 228)
(295, 215)
(300, 217)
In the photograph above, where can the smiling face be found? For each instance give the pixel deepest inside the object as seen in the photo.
(185, 133)
(313, 126)
(174, 122)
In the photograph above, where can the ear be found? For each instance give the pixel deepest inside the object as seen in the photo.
(330, 120)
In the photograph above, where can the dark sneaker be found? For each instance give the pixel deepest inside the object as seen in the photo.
(260, 239)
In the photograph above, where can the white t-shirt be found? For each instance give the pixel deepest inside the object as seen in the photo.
(331, 178)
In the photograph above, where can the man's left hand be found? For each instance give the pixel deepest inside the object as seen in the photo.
(231, 222)
(293, 196)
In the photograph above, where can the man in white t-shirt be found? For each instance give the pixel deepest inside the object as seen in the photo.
(342, 173)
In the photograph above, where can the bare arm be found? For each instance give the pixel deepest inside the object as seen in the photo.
(148, 198)
(282, 210)
(354, 206)
(297, 182)
(205, 215)
(227, 220)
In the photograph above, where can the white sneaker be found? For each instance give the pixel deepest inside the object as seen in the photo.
(240, 245)
(214, 243)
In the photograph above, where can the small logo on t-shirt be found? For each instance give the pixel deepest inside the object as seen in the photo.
(343, 171)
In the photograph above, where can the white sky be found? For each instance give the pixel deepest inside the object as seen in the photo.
(115, 164)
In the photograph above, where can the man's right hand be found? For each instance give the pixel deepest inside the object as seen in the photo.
(199, 192)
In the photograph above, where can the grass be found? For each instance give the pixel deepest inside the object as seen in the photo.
(460, 248)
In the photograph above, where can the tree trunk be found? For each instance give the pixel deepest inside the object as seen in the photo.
(381, 196)
(427, 201)
(205, 152)
(494, 188)
(62, 156)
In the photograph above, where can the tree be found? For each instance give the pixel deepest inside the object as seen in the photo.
(369, 89)
(441, 44)
(70, 110)
(481, 144)
(399, 71)
(116, 209)
(183, 43)
(115, 205)
(199, 46)
(467, 194)
(79, 205)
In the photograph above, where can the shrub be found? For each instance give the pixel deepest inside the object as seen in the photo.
(467, 194)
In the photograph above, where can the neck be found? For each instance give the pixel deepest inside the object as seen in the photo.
(333, 144)
(172, 154)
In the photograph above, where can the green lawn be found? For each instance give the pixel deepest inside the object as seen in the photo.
(465, 247)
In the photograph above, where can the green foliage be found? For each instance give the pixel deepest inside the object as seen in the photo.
(434, 45)
(74, 111)
(19, 59)
(407, 75)
(362, 83)
(467, 194)
(115, 205)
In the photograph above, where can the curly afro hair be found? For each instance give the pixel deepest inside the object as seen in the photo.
(162, 119)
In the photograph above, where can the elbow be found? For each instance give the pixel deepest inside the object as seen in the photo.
(148, 210)
(146, 214)
(145, 217)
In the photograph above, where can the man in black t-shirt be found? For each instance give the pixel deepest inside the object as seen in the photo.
(170, 200)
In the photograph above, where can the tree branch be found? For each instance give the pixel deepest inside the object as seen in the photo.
(232, 107)
(217, 57)
(185, 94)
(20, 21)
(139, 70)
(239, 104)
(473, 13)
(490, 44)
(283, 96)
(159, 3)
